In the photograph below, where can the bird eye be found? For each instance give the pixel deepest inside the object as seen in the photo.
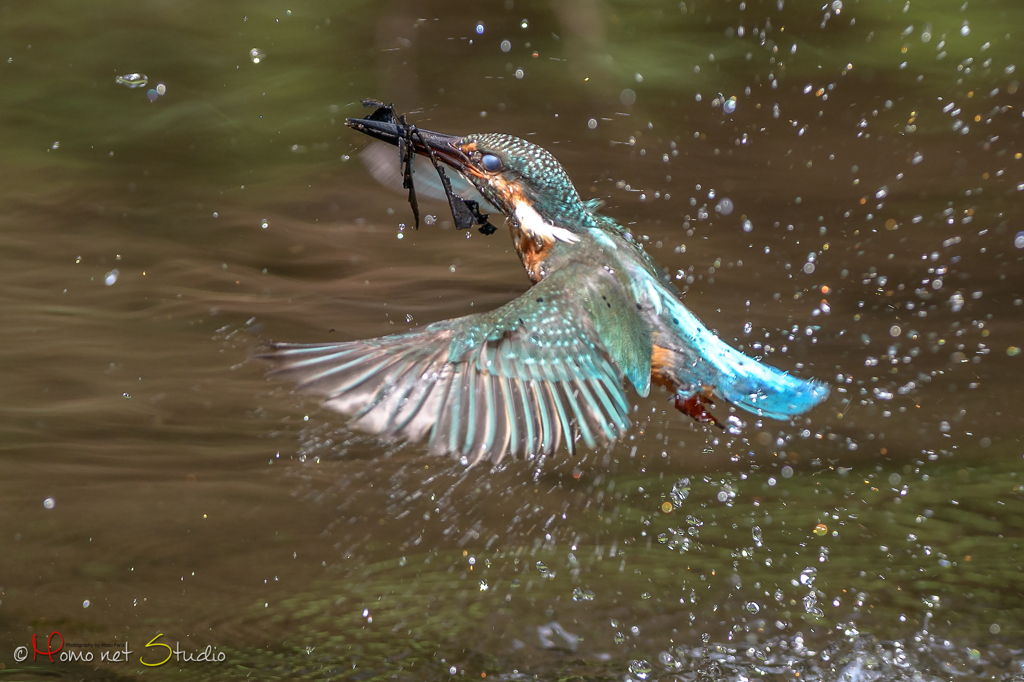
(491, 163)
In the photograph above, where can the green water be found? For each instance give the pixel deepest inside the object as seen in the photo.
(874, 150)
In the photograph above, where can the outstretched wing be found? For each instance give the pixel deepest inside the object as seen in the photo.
(523, 378)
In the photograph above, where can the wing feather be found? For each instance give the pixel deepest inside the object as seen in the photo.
(524, 378)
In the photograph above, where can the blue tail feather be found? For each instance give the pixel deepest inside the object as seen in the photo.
(738, 378)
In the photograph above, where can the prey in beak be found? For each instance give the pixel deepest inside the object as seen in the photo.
(385, 125)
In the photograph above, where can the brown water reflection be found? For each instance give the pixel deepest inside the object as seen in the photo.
(195, 498)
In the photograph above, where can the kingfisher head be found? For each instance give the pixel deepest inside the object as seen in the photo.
(519, 178)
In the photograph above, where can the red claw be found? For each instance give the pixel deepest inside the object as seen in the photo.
(694, 406)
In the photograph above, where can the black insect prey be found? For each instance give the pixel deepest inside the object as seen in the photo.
(465, 212)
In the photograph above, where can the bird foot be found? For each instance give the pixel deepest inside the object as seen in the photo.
(694, 406)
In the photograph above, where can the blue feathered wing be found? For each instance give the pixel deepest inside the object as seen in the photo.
(523, 378)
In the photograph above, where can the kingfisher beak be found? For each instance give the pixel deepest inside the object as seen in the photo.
(447, 148)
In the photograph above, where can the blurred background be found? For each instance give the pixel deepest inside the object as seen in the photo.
(835, 186)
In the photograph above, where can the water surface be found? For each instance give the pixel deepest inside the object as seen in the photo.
(156, 482)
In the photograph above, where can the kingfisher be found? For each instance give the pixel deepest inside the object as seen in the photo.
(549, 369)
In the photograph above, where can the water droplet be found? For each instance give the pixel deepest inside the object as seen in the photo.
(752, 607)
(524, 24)
(111, 277)
(895, 330)
(55, 145)
(627, 97)
(506, 46)
(264, 224)
(724, 206)
(592, 123)
(579, 594)
(161, 89)
(965, 30)
(152, 95)
(645, 595)
(819, 530)
(729, 105)
(49, 503)
(520, 73)
(680, 491)
(1018, 240)
(755, 532)
(132, 80)
(256, 55)
(837, 6)
(787, 471)
(85, 604)
(640, 668)
(480, 29)
(956, 302)
(808, 575)
(747, 226)
(809, 268)
(1013, 351)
